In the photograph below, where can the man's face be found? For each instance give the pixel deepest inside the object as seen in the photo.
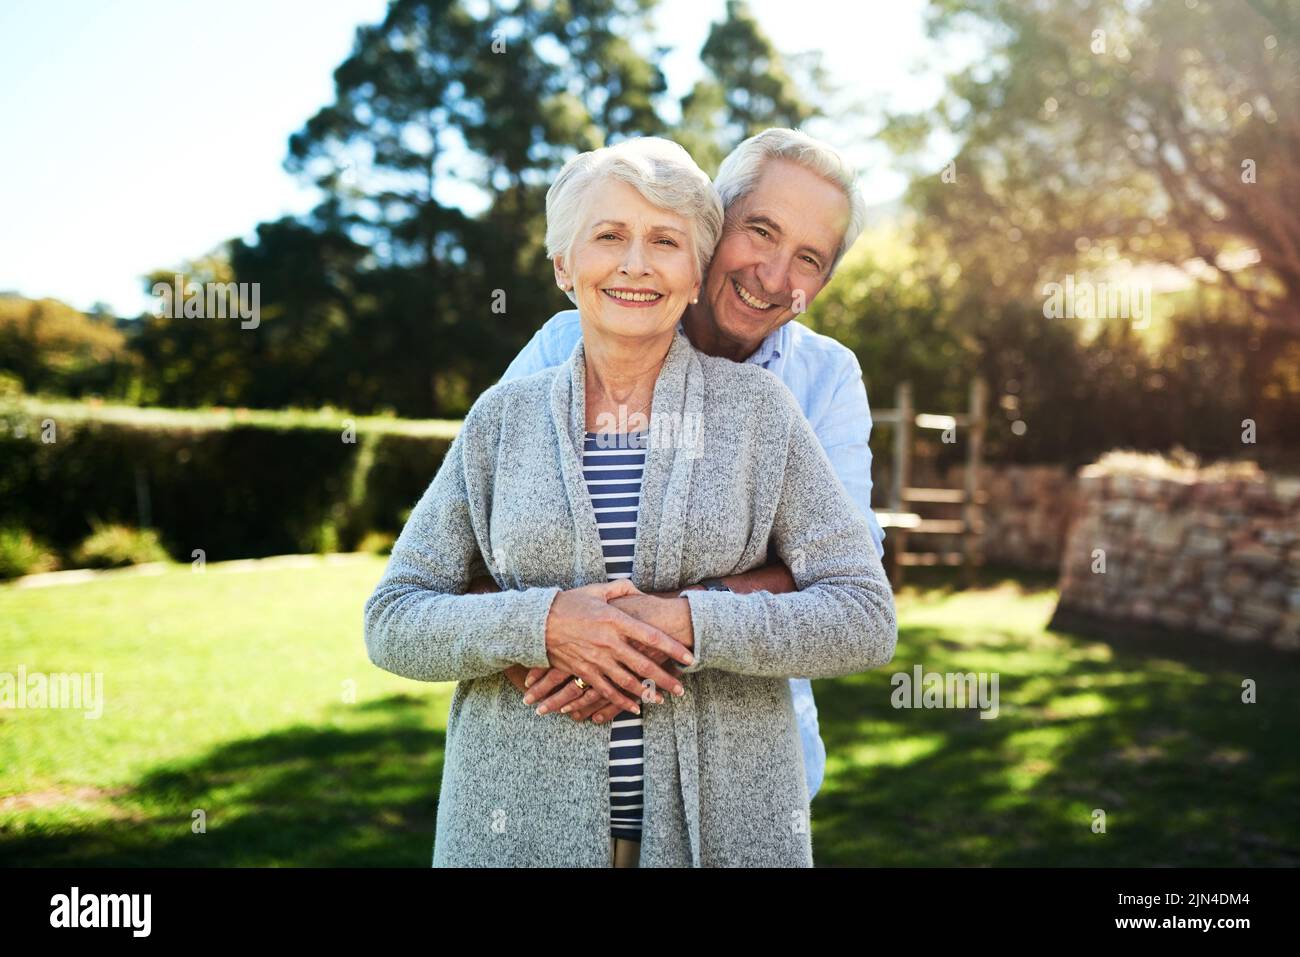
(775, 252)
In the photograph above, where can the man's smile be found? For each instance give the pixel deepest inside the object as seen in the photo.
(751, 301)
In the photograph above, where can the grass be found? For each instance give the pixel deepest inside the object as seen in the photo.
(224, 692)
(245, 693)
(1153, 734)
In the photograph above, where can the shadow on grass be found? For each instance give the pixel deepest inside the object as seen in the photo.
(305, 796)
(1185, 772)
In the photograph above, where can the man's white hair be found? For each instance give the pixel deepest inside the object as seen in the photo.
(739, 173)
(660, 170)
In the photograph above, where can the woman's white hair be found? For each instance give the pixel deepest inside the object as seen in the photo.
(658, 169)
(739, 173)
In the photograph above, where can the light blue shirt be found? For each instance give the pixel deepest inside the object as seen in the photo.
(827, 383)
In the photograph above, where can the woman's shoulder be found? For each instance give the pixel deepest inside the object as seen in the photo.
(508, 397)
(744, 385)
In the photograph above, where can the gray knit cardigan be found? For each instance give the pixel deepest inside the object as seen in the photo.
(724, 779)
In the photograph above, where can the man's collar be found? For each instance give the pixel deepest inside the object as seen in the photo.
(770, 349)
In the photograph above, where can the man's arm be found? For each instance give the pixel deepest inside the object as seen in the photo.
(844, 431)
(650, 608)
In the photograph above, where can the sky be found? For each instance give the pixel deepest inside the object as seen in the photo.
(142, 133)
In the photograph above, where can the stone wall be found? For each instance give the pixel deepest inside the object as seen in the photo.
(1213, 550)
(1026, 514)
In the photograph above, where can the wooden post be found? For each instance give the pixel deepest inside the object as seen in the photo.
(902, 473)
(974, 462)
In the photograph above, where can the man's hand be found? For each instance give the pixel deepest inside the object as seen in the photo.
(518, 674)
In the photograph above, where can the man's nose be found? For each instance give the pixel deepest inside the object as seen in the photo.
(773, 273)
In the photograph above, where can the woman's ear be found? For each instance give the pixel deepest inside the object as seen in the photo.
(561, 274)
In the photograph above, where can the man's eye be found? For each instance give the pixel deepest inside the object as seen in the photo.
(812, 262)
(761, 231)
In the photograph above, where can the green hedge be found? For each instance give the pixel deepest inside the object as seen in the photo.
(234, 483)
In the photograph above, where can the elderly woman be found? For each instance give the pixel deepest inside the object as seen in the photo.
(549, 491)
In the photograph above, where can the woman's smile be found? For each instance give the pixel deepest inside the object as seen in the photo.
(633, 298)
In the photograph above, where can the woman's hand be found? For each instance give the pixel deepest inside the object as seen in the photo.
(560, 695)
(588, 637)
(669, 614)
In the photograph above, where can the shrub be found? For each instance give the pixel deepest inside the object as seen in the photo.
(235, 484)
(377, 543)
(21, 554)
(114, 546)
(11, 386)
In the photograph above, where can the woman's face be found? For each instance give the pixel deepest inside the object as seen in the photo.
(632, 266)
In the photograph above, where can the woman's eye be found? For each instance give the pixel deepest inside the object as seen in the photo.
(607, 236)
(668, 241)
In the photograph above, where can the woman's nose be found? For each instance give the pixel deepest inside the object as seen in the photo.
(634, 263)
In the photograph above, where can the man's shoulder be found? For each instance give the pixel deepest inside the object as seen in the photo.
(550, 345)
(817, 350)
(563, 328)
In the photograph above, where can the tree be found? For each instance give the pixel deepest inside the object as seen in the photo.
(439, 105)
(748, 87)
(51, 347)
(1103, 129)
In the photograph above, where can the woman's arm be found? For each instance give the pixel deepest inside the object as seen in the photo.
(420, 624)
(841, 620)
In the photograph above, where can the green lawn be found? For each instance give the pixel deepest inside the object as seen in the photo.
(228, 691)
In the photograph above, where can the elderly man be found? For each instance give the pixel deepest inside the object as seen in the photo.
(792, 211)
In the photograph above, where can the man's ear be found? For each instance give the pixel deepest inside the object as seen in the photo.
(561, 274)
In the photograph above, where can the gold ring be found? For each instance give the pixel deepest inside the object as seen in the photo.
(580, 683)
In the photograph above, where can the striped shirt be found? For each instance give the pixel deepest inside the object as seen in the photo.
(612, 465)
